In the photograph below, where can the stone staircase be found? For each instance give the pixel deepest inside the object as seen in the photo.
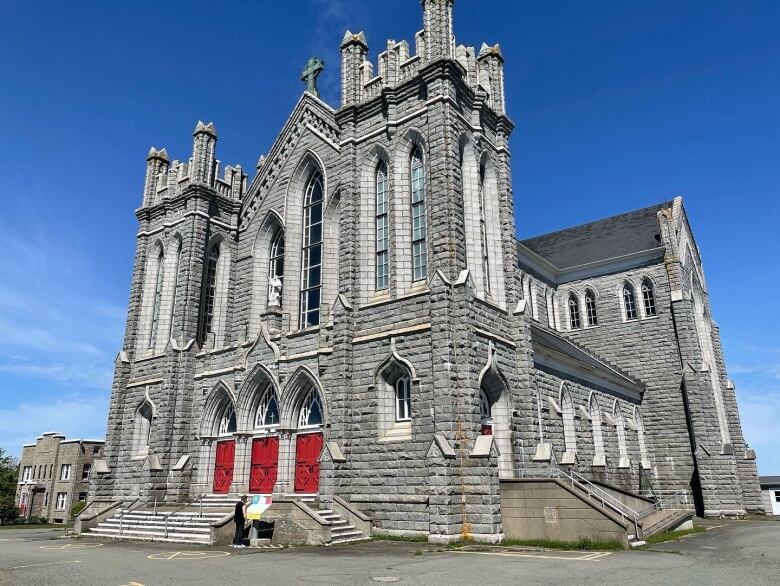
(167, 526)
(340, 529)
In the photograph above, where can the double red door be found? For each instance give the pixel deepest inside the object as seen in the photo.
(223, 466)
(307, 462)
(265, 463)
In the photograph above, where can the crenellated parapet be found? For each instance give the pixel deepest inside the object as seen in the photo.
(167, 179)
(361, 81)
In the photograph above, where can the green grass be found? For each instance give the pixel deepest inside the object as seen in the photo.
(583, 544)
(408, 539)
(673, 535)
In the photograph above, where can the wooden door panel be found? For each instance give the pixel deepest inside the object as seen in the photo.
(265, 465)
(307, 462)
(223, 466)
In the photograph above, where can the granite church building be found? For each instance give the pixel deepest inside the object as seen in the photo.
(358, 322)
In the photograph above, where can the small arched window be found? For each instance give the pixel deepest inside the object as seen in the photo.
(276, 269)
(403, 399)
(157, 301)
(382, 229)
(419, 221)
(483, 229)
(575, 323)
(648, 298)
(311, 410)
(590, 308)
(209, 293)
(227, 423)
(312, 252)
(629, 301)
(267, 411)
(143, 429)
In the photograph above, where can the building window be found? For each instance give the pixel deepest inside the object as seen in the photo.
(311, 410)
(312, 253)
(483, 229)
(173, 292)
(62, 500)
(157, 301)
(599, 455)
(83, 497)
(629, 302)
(590, 308)
(27, 473)
(143, 429)
(403, 399)
(382, 229)
(574, 313)
(95, 449)
(209, 293)
(569, 428)
(85, 471)
(276, 270)
(419, 221)
(648, 298)
(45, 499)
(65, 472)
(267, 411)
(227, 423)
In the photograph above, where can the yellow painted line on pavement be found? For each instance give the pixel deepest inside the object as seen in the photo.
(188, 555)
(578, 558)
(46, 564)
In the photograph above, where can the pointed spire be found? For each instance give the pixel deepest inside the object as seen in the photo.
(201, 128)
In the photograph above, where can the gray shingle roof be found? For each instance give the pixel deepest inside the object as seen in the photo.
(600, 240)
(769, 480)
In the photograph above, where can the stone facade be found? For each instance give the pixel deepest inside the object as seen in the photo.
(427, 387)
(54, 474)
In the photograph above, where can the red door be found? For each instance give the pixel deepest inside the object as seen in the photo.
(265, 460)
(487, 429)
(307, 462)
(223, 466)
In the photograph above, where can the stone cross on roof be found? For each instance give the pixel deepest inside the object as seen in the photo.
(313, 69)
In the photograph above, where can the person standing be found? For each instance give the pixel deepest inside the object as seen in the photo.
(239, 518)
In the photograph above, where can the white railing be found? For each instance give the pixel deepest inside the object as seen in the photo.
(593, 492)
(674, 501)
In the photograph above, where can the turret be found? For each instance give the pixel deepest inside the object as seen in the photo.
(354, 50)
(439, 40)
(203, 165)
(491, 75)
(156, 165)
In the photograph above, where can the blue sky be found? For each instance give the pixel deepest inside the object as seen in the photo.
(618, 105)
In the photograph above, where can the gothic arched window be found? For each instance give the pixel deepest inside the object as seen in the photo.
(382, 228)
(268, 410)
(575, 322)
(209, 293)
(311, 284)
(276, 269)
(311, 410)
(648, 298)
(419, 222)
(157, 301)
(173, 290)
(227, 423)
(590, 308)
(143, 429)
(483, 229)
(629, 301)
(403, 399)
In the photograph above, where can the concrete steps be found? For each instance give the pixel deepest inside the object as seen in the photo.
(341, 530)
(165, 526)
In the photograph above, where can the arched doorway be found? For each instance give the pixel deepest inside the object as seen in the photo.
(264, 464)
(496, 413)
(218, 428)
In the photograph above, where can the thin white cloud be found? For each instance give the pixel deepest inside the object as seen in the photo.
(76, 416)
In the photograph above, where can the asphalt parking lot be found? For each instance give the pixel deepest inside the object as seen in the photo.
(732, 552)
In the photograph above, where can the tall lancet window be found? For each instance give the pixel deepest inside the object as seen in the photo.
(209, 293)
(575, 323)
(276, 270)
(157, 302)
(590, 308)
(419, 223)
(382, 229)
(311, 284)
(173, 291)
(648, 298)
(629, 301)
(483, 229)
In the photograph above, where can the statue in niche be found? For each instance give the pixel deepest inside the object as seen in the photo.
(275, 292)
